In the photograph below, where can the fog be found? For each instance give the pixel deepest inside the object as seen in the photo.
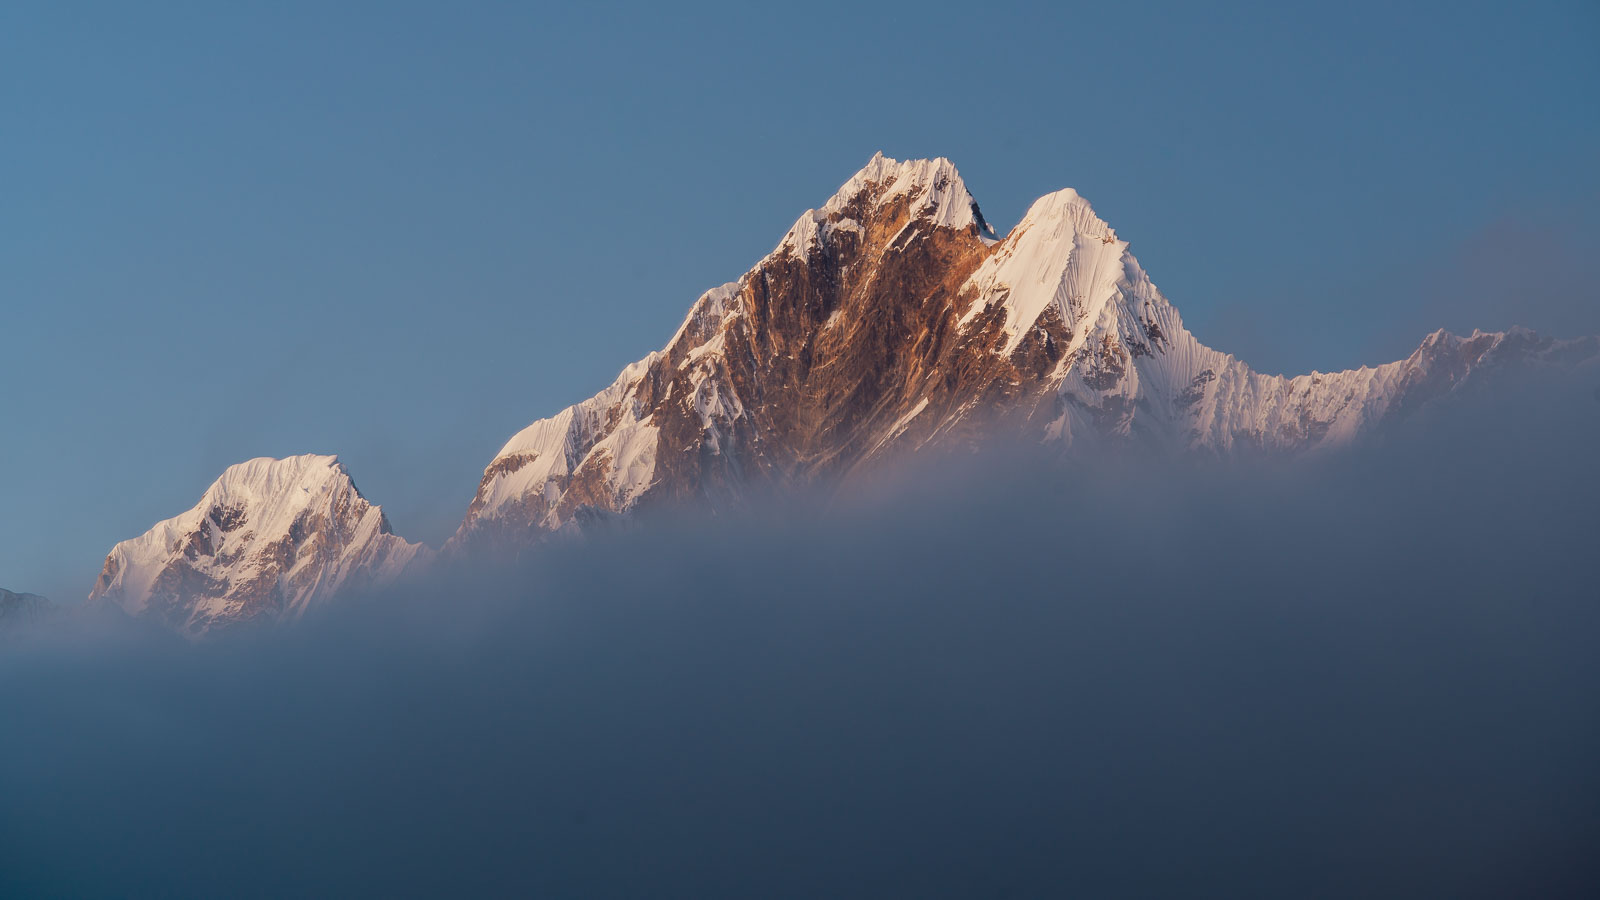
(1365, 675)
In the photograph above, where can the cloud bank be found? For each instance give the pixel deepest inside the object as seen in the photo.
(1371, 675)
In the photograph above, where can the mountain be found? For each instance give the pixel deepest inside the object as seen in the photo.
(890, 320)
(268, 540)
(22, 610)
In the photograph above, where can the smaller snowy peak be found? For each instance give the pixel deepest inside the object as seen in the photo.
(1060, 257)
(268, 539)
(1066, 212)
(1513, 346)
(933, 185)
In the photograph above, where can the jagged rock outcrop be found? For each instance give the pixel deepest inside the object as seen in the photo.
(269, 540)
(888, 321)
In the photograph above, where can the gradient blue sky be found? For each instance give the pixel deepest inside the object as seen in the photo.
(401, 231)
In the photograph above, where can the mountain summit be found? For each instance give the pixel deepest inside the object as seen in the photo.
(268, 540)
(887, 321)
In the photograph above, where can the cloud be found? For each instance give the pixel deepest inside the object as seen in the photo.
(1370, 674)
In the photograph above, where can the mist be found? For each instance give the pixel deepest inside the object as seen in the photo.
(1370, 674)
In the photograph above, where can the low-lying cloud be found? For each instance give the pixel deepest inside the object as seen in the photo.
(1367, 675)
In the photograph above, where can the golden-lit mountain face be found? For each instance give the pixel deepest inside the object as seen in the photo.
(888, 321)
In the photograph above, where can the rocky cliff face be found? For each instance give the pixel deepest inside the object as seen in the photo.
(268, 541)
(888, 321)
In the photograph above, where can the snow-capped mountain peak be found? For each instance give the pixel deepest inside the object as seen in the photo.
(269, 539)
(1061, 256)
(931, 188)
(885, 321)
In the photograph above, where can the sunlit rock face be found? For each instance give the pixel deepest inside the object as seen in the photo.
(268, 540)
(890, 321)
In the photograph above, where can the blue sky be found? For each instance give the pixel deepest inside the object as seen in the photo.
(400, 232)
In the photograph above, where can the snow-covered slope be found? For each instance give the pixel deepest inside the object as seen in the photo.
(267, 541)
(886, 321)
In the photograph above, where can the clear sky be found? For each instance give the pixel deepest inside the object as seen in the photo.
(401, 231)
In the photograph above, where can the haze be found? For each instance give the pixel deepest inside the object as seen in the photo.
(1371, 676)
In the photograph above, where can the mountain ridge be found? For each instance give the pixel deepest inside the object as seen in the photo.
(1056, 324)
(889, 320)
